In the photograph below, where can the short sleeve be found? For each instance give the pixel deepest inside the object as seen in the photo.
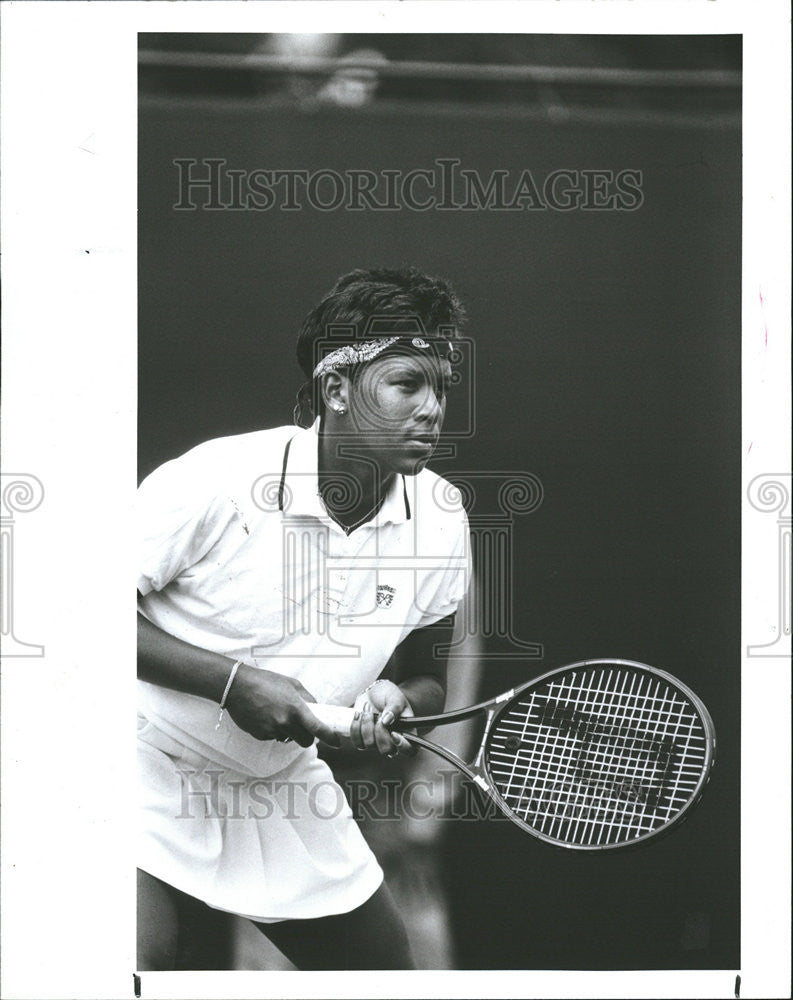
(178, 521)
(445, 587)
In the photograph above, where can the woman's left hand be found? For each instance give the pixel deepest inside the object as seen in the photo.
(388, 701)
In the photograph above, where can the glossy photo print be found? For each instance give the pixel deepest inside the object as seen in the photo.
(427, 365)
(502, 276)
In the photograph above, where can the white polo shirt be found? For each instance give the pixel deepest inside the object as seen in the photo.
(239, 556)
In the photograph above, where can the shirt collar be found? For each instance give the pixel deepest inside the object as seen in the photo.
(299, 484)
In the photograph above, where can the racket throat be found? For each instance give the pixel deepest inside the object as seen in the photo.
(479, 761)
(447, 755)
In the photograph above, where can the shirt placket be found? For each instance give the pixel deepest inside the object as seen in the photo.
(337, 571)
(343, 552)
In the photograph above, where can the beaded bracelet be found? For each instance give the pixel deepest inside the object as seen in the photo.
(407, 712)
(380, 680)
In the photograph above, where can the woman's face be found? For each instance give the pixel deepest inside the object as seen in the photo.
(396, 408)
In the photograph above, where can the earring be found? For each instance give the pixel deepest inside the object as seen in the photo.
(340, 410)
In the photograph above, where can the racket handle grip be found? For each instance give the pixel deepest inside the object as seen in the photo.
(338, 717)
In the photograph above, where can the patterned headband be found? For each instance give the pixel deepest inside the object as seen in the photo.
(342, 357)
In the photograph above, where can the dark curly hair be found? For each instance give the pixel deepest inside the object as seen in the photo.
(395, 297)
(382, 292)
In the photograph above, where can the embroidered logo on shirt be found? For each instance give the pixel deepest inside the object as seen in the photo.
(385, 595)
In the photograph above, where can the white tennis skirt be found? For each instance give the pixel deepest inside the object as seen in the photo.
(275, 848)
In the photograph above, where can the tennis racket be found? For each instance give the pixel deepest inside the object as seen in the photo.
(593, 756)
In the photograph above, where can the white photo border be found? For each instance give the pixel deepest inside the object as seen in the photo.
(69, 189)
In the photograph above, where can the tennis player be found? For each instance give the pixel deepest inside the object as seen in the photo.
(283, 567)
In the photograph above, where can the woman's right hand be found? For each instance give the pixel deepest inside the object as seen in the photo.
(270, 706)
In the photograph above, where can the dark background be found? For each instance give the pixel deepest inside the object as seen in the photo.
(607, 364)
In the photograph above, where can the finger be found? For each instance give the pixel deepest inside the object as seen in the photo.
(389, 742)
(355, 732)
(404, 747)
(317, 727)
(395, 707)
(386, 743)
(367, 729)
(302, 736)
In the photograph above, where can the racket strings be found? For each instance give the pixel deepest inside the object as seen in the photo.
(597, 757)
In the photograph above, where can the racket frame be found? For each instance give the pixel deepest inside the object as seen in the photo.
(495, 707)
